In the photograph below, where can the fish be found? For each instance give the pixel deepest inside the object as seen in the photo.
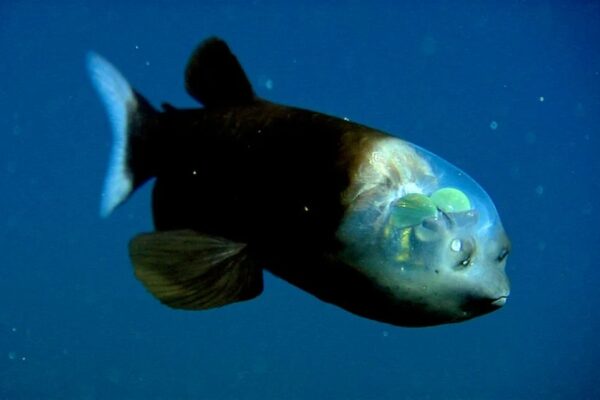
(357, 217)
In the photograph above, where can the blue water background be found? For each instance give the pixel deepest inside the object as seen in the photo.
(508, 91)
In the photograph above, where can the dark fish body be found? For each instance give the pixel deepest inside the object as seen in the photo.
(244, 184)
(251, 172)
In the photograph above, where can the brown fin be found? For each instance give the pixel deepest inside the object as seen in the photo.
(215, 78)
(188, 270)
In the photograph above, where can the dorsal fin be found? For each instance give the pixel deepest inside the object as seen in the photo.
(215, 77)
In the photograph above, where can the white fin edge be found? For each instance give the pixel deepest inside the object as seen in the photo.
(119, 100)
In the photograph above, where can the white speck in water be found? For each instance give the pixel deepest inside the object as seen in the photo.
(587, 209)
(12, 355)
(530, 137)
(541, 246)
(428, 45)
(306, 208)
(13, 329)
(541, 99)
(147, 63)
(269, 84)
(385, 333)
(539, 190)
(346, 119)
(137, 47)
(493, 125)
(194, 172)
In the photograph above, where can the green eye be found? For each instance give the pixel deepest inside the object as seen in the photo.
(411, 210)
(451, 200)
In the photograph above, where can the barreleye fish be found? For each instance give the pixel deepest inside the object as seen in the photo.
(355, 216)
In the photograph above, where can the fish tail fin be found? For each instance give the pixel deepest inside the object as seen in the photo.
(133, 122)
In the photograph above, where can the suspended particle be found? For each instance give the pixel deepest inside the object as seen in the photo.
(539, 190)
(493, 125)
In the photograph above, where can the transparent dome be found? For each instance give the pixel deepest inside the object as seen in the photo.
(404, 200)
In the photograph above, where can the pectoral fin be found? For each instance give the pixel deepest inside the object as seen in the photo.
(188, 270)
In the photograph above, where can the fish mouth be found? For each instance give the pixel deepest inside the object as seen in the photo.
(500, 301)
(485, 305)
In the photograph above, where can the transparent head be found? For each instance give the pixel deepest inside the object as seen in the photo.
(425, 233)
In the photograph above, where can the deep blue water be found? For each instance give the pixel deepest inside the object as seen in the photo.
(75, 323)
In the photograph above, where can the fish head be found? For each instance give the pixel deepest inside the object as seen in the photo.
(425, 234)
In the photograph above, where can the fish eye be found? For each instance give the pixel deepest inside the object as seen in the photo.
(465, 250)
(465, 262)
(503, 254)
